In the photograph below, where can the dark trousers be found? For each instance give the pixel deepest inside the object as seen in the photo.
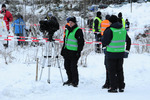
(19, 42)
(97, 46)
(115, 73)
(72, 69)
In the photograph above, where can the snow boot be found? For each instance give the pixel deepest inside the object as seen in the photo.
(105, 86)
(74, 84)
(121, 90)
(67, 83)
(112, 91)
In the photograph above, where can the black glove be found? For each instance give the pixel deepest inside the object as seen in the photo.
(126, 53)
(8, 19)
(78, 54)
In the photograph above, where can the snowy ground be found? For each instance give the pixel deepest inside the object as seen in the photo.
(17, 81)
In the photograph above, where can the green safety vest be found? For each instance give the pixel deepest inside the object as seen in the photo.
(98, 24)
(117, 43)
(71, 41)
(123, 23)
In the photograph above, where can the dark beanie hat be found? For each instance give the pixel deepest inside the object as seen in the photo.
(113, 18)
(98, 13)
(73, 19)
(120, 15)
(3, 5)
(107, 17)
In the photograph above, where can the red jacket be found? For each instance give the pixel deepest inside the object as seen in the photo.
(7, 16)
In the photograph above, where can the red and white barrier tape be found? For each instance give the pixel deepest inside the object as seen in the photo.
(60, 41)
(35, 39)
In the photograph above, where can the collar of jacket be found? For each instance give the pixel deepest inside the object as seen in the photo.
(116, 25)
(72, 28)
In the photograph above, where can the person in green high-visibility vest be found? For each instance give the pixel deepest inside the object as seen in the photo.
(97, 30)
(71, 50)
(121, 20)
(114, 39)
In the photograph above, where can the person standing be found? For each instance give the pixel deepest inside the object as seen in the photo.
(104, 25)
(71, 50)
(19, 27)
(90, 22)
(121, 20)
(3, 30)
(114, 39)
(7, 16)
(127, 25)
(67, 26)
(97, 30)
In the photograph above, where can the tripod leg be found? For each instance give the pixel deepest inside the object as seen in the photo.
(55, 52)
(49, 61)
(43, 64)
(59, 69)
(41, 74)
(48, 80)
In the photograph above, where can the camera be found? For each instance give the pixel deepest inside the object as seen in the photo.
(50, 26)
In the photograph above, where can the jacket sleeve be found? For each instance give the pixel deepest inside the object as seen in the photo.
(107, 37)
(10, 17)
(80, 39)
(128, 42)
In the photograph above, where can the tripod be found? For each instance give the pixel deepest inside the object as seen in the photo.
(48, 56)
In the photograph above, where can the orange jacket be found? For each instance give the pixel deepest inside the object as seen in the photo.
(104, 25)
(65, 28)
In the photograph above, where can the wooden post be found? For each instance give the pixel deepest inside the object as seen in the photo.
(36, 79)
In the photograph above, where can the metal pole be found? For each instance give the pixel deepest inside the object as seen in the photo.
(36, 79)
(131, 5)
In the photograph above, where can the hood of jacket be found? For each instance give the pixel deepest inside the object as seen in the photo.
(116, 25)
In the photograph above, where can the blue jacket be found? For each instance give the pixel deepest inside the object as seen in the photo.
(19, 26)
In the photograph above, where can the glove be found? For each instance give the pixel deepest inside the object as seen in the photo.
(78, 54)
(8, 19)
(104, 50)
(126, 53)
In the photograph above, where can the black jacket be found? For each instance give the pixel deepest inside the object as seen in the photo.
(80, 40)
(107, 37)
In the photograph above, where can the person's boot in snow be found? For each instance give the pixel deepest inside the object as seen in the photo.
(67, 83)
(112, 91)
(74, 84)
(105, 86)
(121, 90)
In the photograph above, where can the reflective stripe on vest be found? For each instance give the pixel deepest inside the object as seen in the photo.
(118, 41)
(104, 25)
(123, 23)
(71, 41)
(99, 20)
